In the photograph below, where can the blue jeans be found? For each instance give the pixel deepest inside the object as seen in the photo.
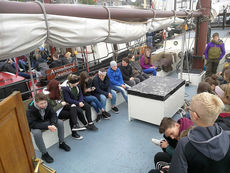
(25, 75)
(188, 115)
(94, 102)
(150, 70)
(113, 100)
(149, 41)
(121, 90)
(21, 63)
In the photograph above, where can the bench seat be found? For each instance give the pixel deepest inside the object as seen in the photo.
(51, 138)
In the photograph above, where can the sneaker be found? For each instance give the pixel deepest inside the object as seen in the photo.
(75, 135)
(78, 128)
(115, 110)
(156, 141)
(64, 146)
(91, 127)
(182, 112)
(47, 158)
(99, 117)
(106, 115)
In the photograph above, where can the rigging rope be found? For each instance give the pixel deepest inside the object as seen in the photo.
(46, 20)
(109, 23)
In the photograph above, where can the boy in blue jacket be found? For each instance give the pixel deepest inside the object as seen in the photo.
(116, 80)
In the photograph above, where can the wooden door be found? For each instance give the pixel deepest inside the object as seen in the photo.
(16, 148)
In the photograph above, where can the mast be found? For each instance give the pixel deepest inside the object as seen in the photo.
(201, 33)
(175, 5)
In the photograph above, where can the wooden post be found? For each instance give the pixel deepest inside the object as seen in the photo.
(201, 33)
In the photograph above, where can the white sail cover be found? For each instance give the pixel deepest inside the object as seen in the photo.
(163, 23)
(22, 33)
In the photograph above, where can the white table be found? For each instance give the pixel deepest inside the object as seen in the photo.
(155, 98)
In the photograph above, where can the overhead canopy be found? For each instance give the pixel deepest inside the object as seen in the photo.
(26, 26)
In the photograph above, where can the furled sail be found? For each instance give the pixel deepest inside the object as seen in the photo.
(26, 26)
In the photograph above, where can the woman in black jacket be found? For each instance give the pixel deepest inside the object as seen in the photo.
(73, 95)
(63, 110)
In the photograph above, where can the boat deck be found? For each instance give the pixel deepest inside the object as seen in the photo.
(119, 146)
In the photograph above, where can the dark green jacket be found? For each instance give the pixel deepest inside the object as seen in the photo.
(56, 105)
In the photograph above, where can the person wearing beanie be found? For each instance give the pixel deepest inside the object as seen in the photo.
(214, 52)
(116, 80)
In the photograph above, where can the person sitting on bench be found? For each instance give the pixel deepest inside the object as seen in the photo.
(103, 90)
(63, 110)
(137, 70)
(41, 116)
(73, 95)
(127, 73)
(88, 89)
(116, 80)
(56, 61)
(147, 67)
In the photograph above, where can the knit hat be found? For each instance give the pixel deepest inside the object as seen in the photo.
(113, 64)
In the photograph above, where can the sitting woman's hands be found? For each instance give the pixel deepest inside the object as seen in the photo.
(63, 103)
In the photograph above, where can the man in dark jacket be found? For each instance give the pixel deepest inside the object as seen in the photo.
(103, 90)
(127, 74)
(206, 148)
(41, 116)
(56, 62)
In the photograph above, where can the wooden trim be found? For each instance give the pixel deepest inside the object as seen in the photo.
(61, 71)
(16, 103)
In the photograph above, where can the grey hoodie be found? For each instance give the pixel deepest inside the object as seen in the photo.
(211, 141)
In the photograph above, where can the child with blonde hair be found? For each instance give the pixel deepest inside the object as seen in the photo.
(206, 148)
